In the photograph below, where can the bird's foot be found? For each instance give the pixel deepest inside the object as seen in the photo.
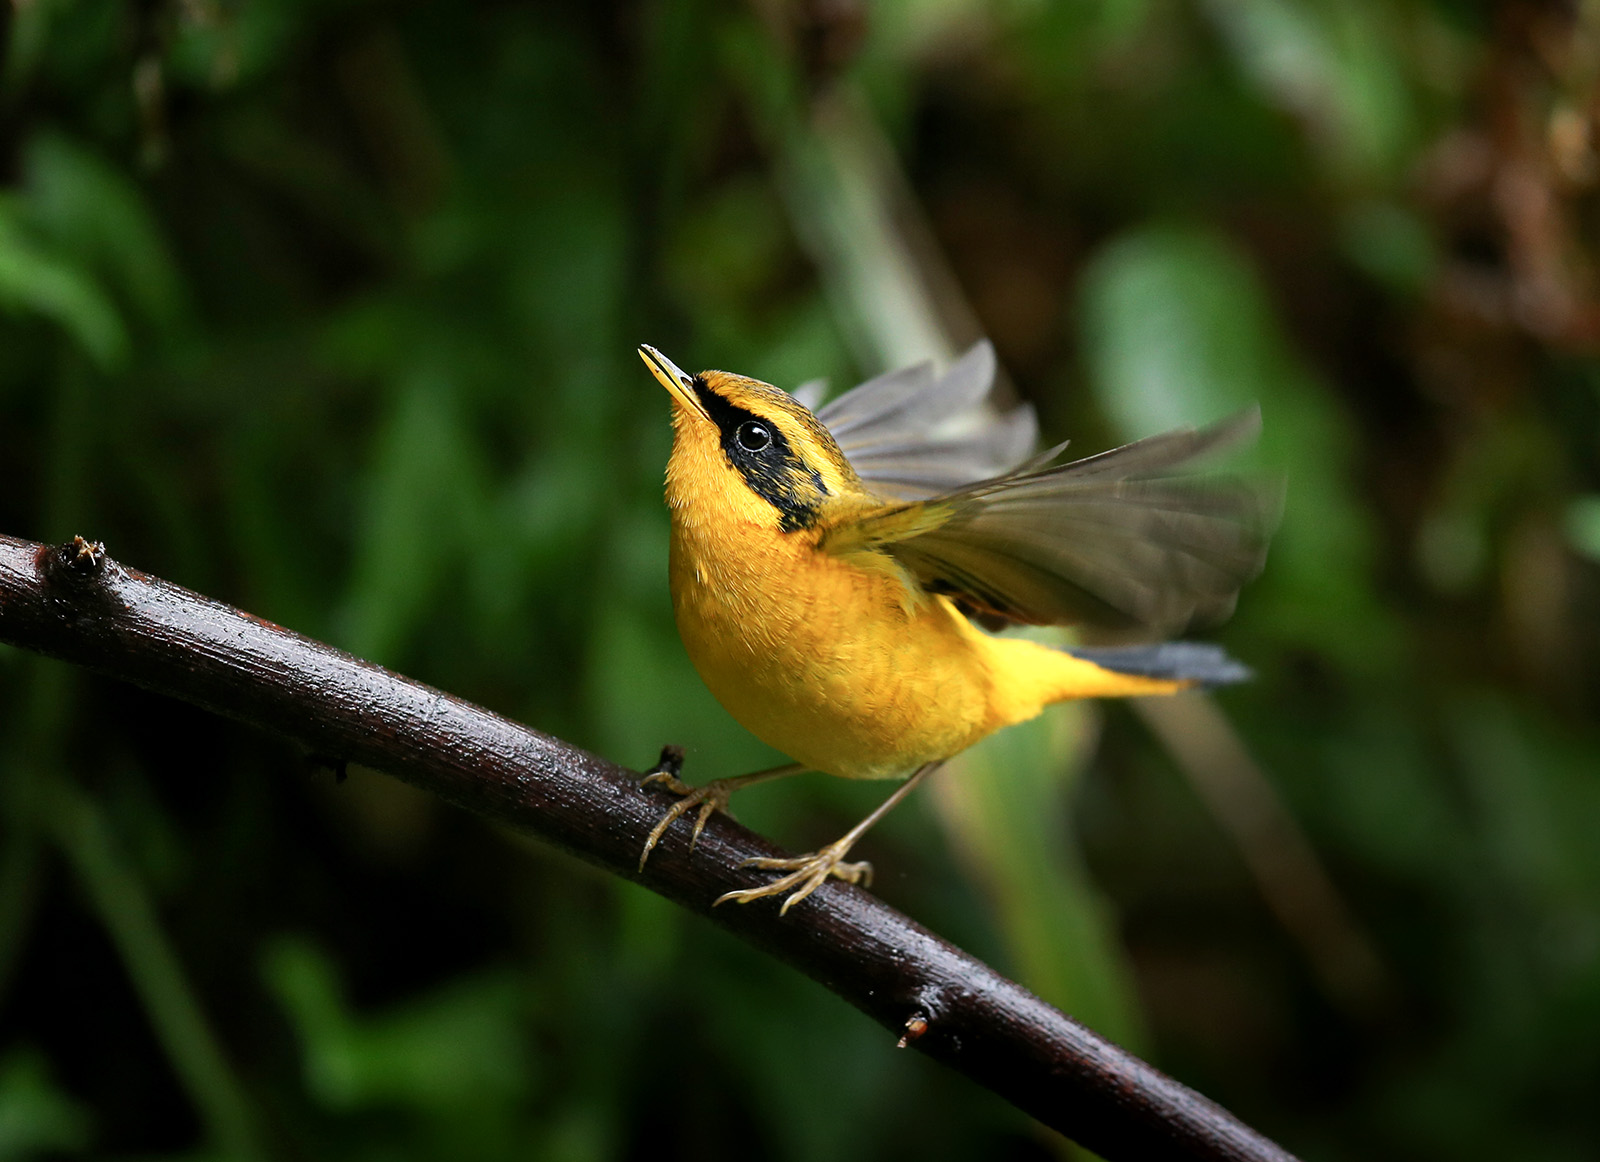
(807, 873)
(711, 797)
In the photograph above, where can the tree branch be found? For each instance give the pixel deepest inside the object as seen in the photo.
(72, 602)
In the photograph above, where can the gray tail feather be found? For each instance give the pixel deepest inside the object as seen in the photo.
(1199, 662)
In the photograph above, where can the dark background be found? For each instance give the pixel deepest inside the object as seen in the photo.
(328, 311)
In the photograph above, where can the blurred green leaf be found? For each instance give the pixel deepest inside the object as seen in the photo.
(1335, 63)
(422, 498)
(1583, 526)
(1177, 330)
(461, 1046)
(37, 279)
(90, 209)
(37, 1120)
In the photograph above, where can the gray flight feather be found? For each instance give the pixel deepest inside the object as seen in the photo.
(1119, 539)
(910, 434)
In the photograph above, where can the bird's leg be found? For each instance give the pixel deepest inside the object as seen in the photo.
(810, 871)
(711, 797)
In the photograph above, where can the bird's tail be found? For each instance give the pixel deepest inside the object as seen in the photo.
(1199, 663)
(1030, 676)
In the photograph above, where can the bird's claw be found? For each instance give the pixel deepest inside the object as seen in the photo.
(807, 873)
(711, 797)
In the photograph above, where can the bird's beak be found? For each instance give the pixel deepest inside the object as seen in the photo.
(673, 378)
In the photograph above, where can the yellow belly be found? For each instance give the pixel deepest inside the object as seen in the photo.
(833, 664)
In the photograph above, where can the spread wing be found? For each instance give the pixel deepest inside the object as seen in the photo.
(911, 435)
(1119, 539)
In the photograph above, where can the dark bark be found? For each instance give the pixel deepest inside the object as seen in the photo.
(72, 602)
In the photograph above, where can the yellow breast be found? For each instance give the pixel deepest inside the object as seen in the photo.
(826, 661)
(847, 669)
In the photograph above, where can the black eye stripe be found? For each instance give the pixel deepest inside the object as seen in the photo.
(771, 469)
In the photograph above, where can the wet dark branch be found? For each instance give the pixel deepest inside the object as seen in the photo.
(72, 602)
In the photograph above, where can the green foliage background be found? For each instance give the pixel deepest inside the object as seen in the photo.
(328, 311)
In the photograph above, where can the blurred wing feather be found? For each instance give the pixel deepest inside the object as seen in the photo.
(811, 393)
(911, 435)
(1119, 539)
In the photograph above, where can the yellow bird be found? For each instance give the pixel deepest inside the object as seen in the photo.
(834, 574)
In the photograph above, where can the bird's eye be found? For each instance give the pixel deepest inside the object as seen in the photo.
(753, 436)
